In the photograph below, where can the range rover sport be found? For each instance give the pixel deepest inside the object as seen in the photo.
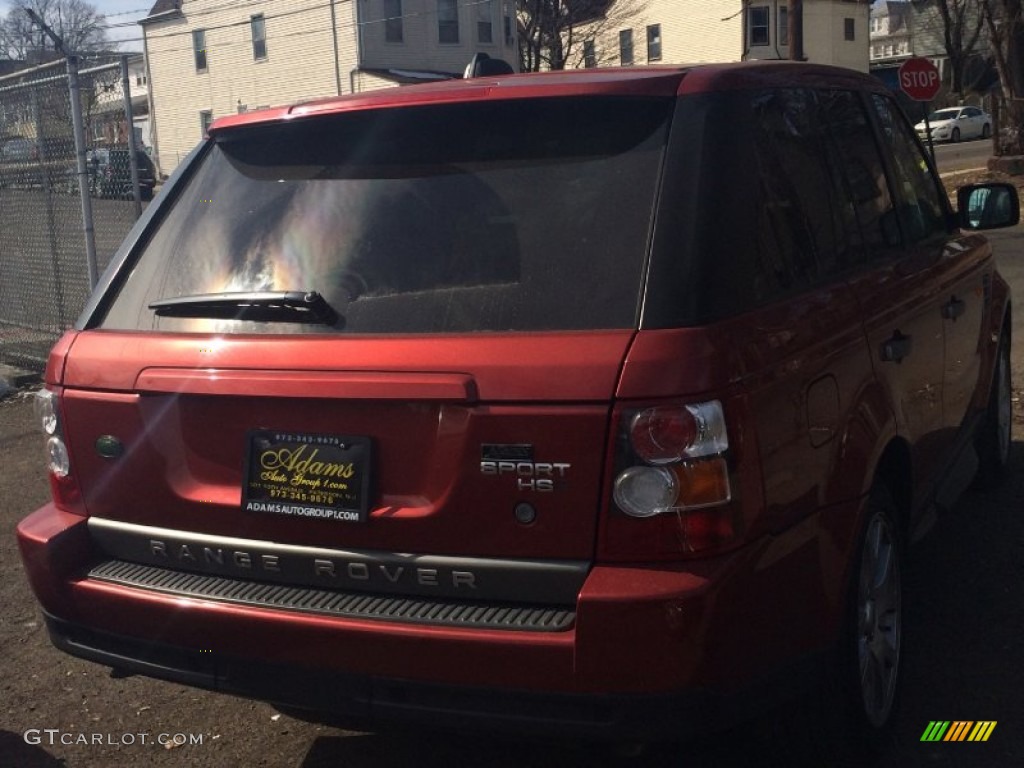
(594, 403)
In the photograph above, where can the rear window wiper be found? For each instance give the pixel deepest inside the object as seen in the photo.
(258, 306)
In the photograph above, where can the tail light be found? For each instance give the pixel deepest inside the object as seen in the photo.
(679, 462)
(673, 478)
(62, 484)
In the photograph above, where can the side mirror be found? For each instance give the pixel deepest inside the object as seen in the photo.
(988, 206)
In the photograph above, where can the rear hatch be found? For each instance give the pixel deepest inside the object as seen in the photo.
(477, 271)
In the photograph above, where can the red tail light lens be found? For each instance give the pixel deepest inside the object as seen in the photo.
(663, 435)
(677, 461)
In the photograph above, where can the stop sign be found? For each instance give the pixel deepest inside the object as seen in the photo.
(919, 79)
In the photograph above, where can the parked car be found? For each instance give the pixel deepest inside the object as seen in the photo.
(591, 403)
(956, 123)
(25, 163)
(110, 173)
(18, 149)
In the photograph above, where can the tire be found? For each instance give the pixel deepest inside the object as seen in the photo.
(954, 137)
(874, 636)
(986, 131)
(992, 441)
(848, 718)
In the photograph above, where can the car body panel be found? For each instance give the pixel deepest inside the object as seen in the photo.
(440, 403)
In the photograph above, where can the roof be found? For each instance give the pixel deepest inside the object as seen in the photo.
(611, 81)
(162, 8)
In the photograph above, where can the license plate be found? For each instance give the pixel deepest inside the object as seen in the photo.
(304, 475)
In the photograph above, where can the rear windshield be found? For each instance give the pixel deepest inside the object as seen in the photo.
(502, 216)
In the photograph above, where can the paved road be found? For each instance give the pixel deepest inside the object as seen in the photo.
(965, 660)
(963, 156)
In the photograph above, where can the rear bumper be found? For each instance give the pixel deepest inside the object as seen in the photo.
(654, 651)
(367, 703)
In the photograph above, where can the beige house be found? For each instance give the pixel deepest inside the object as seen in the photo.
(207, 58)
(637, 32)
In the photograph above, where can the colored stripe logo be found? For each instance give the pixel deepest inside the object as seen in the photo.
(959, 730)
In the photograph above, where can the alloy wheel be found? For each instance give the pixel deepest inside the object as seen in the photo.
(879, 619)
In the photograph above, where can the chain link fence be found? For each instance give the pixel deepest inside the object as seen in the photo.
(64, 127)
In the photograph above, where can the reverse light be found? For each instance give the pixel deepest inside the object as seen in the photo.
(646, 491)
(47, 411)
(677, 462)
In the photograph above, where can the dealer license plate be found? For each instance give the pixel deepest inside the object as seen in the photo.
(305, 475)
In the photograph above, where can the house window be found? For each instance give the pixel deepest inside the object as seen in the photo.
(849, 30)
(259, 37)
(589, 54)
(508, 30)
(484, 26)
(205, 118)
(626, 47)
(783, 35)
(654, 42)
(393, 32)
(199, 48)
(447, 21)
(759, 25)
(140, 79)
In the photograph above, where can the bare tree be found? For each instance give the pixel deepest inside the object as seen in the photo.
(77, 22)
(553, 33)
(961, 26)
(1005, 22)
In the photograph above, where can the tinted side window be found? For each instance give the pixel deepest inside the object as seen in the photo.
(920, 203)
(808, 217)
(767, 193)
(870, 199)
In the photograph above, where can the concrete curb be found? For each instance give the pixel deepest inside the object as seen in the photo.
(947, 174)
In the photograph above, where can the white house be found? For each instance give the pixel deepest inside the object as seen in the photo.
(208, 58)
(634, 32)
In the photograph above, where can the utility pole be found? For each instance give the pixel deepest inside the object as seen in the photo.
(796, 30)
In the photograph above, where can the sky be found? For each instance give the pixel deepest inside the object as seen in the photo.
(122, 16)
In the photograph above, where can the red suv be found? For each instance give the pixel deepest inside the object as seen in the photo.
(594, 402)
